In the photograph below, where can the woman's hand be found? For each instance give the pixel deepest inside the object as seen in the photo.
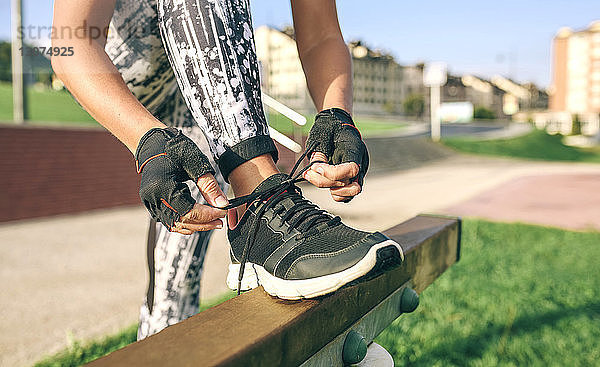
(338, 145)
(166, 159)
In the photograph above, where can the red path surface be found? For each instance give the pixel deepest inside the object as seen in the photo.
(566, 201)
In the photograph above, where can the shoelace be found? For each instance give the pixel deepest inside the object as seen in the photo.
(303, 213)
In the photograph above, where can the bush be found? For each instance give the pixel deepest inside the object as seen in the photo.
(483, 113)
(414, 105)
(576, 126)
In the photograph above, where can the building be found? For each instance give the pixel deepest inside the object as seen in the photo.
(576, 71)
(574, 95)
(378, 87)
(281, 73)
(477, 91)
(520, 97)
(412, 80)
(538, 98)
(482, 93)
(377, 81)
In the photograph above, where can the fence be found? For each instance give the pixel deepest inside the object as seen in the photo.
(562, 122)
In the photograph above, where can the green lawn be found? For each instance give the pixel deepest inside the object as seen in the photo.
(46, 107)
(521, 295)
(59, 108)
(367, 126)
(80, 353)
(535, 145)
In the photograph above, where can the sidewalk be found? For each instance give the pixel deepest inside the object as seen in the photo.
(563, 200)
(84, 276)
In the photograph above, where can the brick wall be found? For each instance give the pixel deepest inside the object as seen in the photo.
(46, 171)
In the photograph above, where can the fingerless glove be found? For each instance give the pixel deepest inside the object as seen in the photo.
(335, 135)
(166, 159)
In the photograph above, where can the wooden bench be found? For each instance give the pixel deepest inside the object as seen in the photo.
(255, 329)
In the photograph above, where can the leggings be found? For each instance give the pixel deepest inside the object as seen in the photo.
(192, 64)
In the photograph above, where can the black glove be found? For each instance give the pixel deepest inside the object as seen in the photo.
(335, 135)
(166, 159)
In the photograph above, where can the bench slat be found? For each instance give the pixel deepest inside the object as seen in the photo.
(255, 329)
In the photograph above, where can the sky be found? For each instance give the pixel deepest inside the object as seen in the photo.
(512, 38)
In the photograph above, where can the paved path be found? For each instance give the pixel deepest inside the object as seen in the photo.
(75, 276)
(563, 200)
(83, 276)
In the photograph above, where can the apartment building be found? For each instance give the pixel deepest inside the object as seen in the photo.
(377, 81)
(282, 76)
(378, 87)
(576, 70)
(477, 91)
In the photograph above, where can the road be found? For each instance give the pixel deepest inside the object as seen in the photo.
(475, 129)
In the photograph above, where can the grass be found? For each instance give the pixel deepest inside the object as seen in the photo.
(520, 295)
(50, 107)
(536, 145)
(368, 127)
(80, 353)
(46, 107)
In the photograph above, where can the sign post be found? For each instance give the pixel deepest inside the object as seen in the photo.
(435, 75)
(17, 52)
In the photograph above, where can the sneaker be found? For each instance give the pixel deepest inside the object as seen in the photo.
(249, 280)
(296, 250)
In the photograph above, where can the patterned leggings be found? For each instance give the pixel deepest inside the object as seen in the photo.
(192, 63)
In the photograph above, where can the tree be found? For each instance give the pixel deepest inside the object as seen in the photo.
(389, 107)
(36, 66)
(483, 113)
(576, 126)
(414, 105)
(5, 62)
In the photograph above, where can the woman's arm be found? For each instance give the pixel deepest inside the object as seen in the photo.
(328, 68)
(92, 78)
(90, 75)
(324, 55)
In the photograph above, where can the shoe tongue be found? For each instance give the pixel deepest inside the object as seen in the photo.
(287, 202)
(271, 182)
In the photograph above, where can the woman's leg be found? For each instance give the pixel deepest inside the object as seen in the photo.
(210, 45)
(174, 261)
(173, 292)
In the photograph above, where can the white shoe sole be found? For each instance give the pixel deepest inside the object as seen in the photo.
(249, 280)
(306, 288)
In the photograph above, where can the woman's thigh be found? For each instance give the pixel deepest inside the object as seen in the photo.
(134, 45)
